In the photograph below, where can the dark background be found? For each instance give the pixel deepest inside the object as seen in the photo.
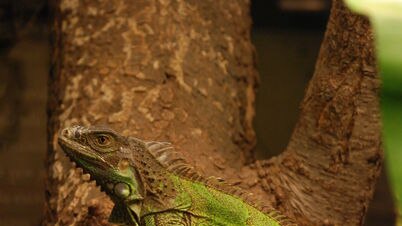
(287, 36)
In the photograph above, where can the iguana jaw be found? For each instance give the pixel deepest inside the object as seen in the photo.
(85, 158)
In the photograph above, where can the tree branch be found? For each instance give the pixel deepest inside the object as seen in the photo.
(327, 174)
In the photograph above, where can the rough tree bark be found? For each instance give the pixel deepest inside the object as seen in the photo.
(327, 174)
(184, 71)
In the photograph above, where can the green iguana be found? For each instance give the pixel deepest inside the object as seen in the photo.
(150, 185)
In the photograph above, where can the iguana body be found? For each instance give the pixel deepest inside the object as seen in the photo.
(150, 185)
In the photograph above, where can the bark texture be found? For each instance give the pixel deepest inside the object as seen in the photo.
(184, 71)
(179, 70)
(327, 174)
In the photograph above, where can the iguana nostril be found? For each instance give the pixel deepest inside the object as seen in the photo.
(65, 132)
(77, 134)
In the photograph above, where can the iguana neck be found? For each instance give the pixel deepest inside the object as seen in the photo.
(160, 189)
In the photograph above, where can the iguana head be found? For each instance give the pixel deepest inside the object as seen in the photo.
(105, 155)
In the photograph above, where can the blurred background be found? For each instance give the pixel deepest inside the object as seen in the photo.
(287, 36)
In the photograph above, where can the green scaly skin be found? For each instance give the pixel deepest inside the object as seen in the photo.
(149, 188)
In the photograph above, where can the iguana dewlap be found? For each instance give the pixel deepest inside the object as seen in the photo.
(150, 185)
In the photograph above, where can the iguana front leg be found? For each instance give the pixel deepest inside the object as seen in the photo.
(168, 218)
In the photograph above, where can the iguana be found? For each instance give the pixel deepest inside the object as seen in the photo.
(150, 185)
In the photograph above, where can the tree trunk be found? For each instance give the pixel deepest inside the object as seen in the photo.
(157, 70)
(184, 71)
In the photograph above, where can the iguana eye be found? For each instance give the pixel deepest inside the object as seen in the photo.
(103, 140)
